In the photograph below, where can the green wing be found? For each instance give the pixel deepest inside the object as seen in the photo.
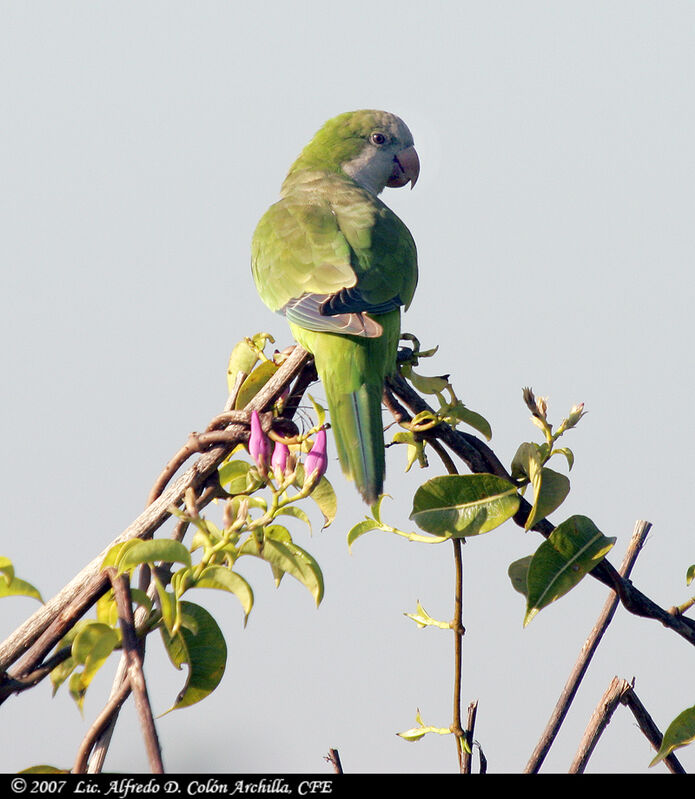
(297, 248)
(308, 244)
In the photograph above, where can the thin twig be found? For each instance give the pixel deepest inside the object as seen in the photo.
(100, 746)
(100, 724)
(458, 631)
(639, 536)
(136, 677)
(15, 685)
(234, 393)
(456, 625)
(649, 728)
(470, 731)
(600, 719)
(334, 759)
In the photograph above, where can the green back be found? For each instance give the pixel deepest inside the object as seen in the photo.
(327, 234)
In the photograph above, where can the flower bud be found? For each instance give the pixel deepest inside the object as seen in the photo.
(317, 460)
(258, 443)
(576, 414)
(279, 459)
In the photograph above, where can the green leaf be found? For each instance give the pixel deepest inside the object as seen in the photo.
(61, 673)
(376, 507)
(255, 382)
(319, 410)
(203, 651)
(416, 733)
(424, 384)
(414, 448)
(115, 552)
(91, 647)
(63, 670)
(243, 359)
(278, 533)
(518, 574)
(424, 420)
(463, 414)
(360, 529)
(567, 452)
(680, 732)
(423, 619)
(323, 495)
(201, 540)
(6, 568)
(156, 549)
(182, 580)
(94, 643)
(107, 609)
(44, 769)
(288, 558)
(17, 587)
(690, 575)
(550, 490)
(527, 461)
(225, 579)
(11, 585)
(234, 476)
(296, 512)
(169, 607)
(464, 505)
(573, 549)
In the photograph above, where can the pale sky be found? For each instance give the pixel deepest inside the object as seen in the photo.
(140, 144)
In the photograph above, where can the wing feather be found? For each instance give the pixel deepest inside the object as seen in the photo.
(328, 252)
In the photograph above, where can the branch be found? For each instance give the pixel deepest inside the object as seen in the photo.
(136, 678)
(460, 735)
(459, 631)
(600, 719)
(470, 730)
(649, 728)
(480, 458)
(102, 721)
(619, 691)
(334, 759)
(102, 738)
(572, 685)
(38, 635)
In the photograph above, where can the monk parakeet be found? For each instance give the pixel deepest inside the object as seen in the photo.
(339, 264)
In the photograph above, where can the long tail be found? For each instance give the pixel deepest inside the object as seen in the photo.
(352, 370)
(359, 435)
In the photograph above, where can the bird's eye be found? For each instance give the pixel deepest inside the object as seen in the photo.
(377, 138)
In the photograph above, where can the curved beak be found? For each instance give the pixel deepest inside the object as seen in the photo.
(406, 169)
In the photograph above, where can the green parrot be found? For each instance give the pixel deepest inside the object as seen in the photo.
(339, 265)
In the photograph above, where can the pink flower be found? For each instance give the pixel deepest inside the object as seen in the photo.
(258, 443)
(317, 460)
(279, 459)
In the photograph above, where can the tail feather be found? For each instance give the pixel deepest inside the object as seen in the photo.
(359, 437)
(352, 370)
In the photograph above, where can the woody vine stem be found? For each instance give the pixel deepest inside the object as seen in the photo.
(26, 656)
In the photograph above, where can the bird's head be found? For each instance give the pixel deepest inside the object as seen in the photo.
(374, 148)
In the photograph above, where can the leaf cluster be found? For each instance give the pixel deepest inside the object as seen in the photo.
(260, 504)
